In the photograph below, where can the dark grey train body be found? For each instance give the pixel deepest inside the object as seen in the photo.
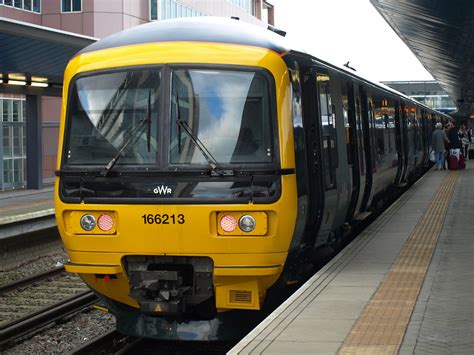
(358, 145)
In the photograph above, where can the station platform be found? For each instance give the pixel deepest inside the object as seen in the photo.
(403, 286)
(23, 211)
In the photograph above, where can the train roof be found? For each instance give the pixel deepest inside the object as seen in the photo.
(194, 29)
(217, 30)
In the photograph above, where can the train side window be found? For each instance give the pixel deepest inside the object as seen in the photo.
(389, 111)
(360, 135)
(327, 114)
(379, 125)
(373, 142)
(348, 115)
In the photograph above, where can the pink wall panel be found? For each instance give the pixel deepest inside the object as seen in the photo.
(50, 109)
(50, 140)
(88, 5)
(49, 165)
(88, 24)
(72, 22)
(137, 8)
(108, 6)
(53, 21)
(131, 21)
(106, 24)
(21, 15)
(50, 7)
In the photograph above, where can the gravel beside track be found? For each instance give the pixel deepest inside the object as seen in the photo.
(57, 338)
(64, 337)
(33, 267)
(29, 299)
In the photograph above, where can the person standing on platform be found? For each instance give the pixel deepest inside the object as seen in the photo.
(455, 142)
(464, 137)
(447, 126)
(438, 140)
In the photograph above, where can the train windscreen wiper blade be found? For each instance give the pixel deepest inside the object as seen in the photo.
(215, 170)
(133, 138)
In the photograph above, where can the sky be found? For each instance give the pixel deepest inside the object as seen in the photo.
(348, 30)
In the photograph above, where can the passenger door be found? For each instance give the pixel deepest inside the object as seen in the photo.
(336, 169)
(310, 139)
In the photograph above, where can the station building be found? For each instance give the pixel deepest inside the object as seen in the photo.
(427, 92)
(38, 37)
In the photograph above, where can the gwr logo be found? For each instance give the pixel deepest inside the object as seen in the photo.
(162, 190)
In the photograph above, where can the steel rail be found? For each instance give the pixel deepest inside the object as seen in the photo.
(40, 319)
(107, 343)
(31, 279)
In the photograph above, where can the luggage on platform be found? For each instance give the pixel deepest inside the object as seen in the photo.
(471, 154)
(452, 162)
(461, 162)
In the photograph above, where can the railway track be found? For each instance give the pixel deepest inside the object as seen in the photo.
(32, 279)
(35, 302)
(111, 342)
(115, 343)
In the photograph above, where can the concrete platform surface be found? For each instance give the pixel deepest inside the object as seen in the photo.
(21, 205)
(404, 286)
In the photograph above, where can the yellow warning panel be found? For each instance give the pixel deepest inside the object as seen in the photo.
(243, 295)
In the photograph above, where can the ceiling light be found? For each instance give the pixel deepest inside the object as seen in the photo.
(41, 85)
(16, 82)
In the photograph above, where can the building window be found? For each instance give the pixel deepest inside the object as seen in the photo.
(247, 5)
(13, 137)
(71, 5)
(25, 5)
(168, 9)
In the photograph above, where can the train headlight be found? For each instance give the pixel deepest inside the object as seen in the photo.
(228, 223)
(105, 222)
(247, 223)
(242, 223)
(88, 222)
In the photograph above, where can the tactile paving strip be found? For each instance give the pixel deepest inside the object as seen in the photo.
(381, 326)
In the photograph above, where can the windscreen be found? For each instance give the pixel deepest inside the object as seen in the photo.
(111, 112)
(228, 111)
(167, 132)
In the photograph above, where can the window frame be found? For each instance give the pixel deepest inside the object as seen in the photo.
(22, 8)
(72, 11)
(272, 113)
(157, 10)
(16, 157)
(66, 136)
(179, 7)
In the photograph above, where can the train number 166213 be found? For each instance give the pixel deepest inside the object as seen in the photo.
(163, 219)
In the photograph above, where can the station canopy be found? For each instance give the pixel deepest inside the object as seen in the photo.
(440, 33)
(35, 55)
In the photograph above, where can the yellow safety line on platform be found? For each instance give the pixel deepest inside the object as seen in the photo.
(382, 324)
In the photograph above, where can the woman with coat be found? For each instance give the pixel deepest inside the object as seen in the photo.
(437, 143)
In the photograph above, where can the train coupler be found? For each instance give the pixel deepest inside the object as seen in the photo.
(171, 286)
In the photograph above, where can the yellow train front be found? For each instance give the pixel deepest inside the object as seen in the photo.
(176, 189)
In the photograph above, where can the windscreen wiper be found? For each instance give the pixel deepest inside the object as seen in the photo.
(133, 138)
(215, 170)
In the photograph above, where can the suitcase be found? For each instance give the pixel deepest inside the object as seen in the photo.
(470, 152)
(452, 162)
(461, 162)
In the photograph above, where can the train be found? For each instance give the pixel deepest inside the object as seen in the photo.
(203, 162)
